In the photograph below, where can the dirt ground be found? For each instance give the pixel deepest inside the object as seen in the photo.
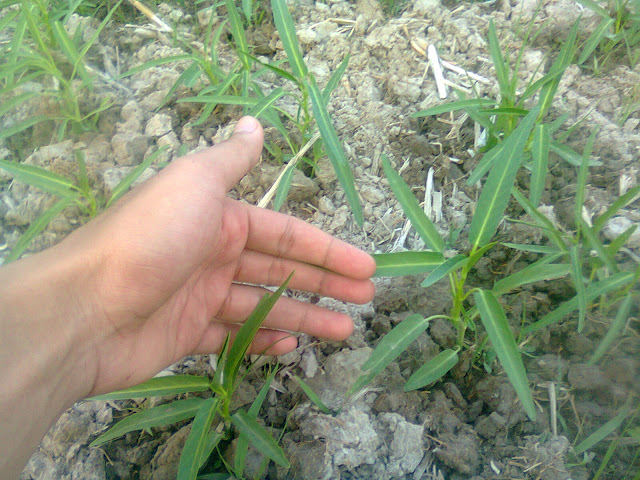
(470, 424)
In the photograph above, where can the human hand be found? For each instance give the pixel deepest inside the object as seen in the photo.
(171, 262)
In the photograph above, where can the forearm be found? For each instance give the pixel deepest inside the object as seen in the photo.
(44, 364)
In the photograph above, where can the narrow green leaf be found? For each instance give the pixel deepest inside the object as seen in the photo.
(617, 243)
(455, 106)
(9, 103)
(614, 330)
(287, 31)
(476, 255)
(505, 111)
(485, 164)
(406, 263)
(156, 63)
(594, 40)
(629, 197)
(154, 417)
(581, 181)
(36, 227)
(532, 248)
(196, 443)
(212, 441)
(433, 370)
(496, 192)
(565, 56)
(312, 395)
(536, 272)
(283, 189)
(570, 156)
(594, 242)
(334, 147)
(39, 177)
(242, 447)
(594, 7)
(266, 102)
(578, 283)
(335, 78)
(441, 271)
(260, 438)
(22, 126)
(591, 292)
(237, 30)
(133, 175)
(497, 327)
(159, 386)
(392, 344)
(220, 99)
(540, 153)
(245, 336)
(69, 49)
(425, 228)
(604, 431)
(547, 227)
(500, 64)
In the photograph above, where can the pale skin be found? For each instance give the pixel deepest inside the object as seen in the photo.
(161, 275)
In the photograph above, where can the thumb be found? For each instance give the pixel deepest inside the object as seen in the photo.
(233, 158)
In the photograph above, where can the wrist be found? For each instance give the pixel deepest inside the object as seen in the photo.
(45, 357)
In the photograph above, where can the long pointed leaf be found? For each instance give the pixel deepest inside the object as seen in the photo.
(245, 335)
(497, 327)
(133, 175)
(159, 386)
(154, 417)
(547, 227)
(40, 178)
(594, 40)
(196, 443)
(535, 272)
(260, 438)
(392, 344)
(406, 263)
(591, 292)
(287, 30)
(334, 79)
(242, 447)
(578, 283)
(630, 196)
(455, 106)
(36, 227)
(497, 189)
(334, 148)
(425, 228)
(604, 431)
(237, 30)
(433, 370)
(540, 152)
(500, 64)
(451, 265)
(614, 330)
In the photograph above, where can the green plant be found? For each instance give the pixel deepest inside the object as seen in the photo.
(567, 255)
(619, 28)
(69, 192)
(499, 119)
(41, 49)
(240, 86)
(212, 418)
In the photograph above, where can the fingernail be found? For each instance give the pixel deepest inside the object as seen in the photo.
(246, 125)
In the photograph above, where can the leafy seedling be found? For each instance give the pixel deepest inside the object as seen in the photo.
(69, 192)
(212, 418)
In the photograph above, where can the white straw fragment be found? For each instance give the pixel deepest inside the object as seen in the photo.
(462, 71)
(434, 60)
(292, 163)
(151, 16)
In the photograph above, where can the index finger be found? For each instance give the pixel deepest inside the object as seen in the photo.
(286, 237)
